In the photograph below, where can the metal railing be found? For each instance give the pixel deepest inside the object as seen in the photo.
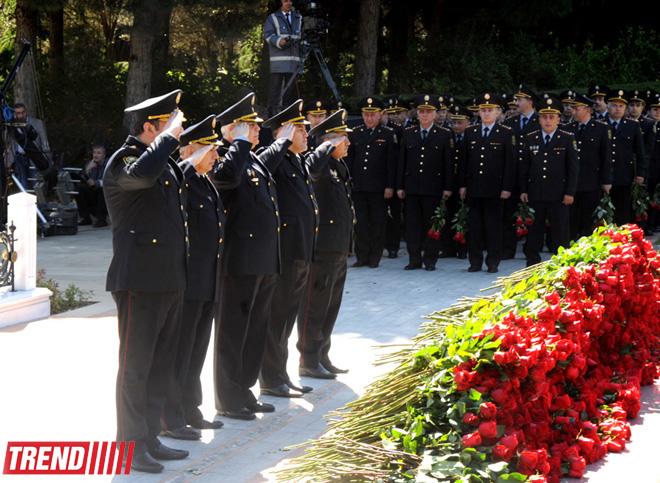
(7, 256)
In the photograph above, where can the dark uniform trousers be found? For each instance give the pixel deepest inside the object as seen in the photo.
(557, 214)
(289, 289)
(241, 336)
(581, 213)
(393, 225)
(148, 332)
(621, 199)
(370, 226)
(421, 247)
(485, 225)
(320, 306)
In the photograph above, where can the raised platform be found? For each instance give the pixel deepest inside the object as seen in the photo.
(23, 306)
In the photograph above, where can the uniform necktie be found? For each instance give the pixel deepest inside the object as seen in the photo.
(547, 140)
(615, 124)
(424, 133)
(486, 132)
(524, 123)
(580, 129)
(459, 138)
(288, 20)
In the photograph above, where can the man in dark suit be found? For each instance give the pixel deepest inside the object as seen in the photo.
(251, 261)
(548, 177)
(143, 188)
(206, 228)
(594, 145)
(299, 214)
(524, 123)
(487, 168)
(425, 176)
(628, 155)
(325, 286)
(371, 160)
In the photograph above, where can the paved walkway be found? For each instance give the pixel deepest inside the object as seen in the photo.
(57, 378)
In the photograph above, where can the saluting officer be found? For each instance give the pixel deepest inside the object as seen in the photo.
(488, 164)
(325, 286)
(548, 177)
(143, 188)
(300, 215)
(206, 228)
(371, 160)
(594, 145)
(627, 155)
(251, 262)
(524, 123)
(425, 176)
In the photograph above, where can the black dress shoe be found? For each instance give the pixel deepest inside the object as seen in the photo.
(412, 266)
(492, 270)
(446, 255)
(85, 221)
(392, 254)
(359, 264)
(280, 391)
(430, 268)
(145, 462)
(474, 269)
(330, 367)
(184, 432)
(244, 413)
(318, 372)
(303, 389)
(163, 452)
(259, 407)
(204, 424)
(373, 265)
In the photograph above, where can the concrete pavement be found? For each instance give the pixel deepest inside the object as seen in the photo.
(58, 375)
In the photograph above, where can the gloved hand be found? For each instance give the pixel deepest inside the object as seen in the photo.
(287, 131)
(241, 129)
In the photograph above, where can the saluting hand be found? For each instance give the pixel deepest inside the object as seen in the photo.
(174, 124)
(337, 141)
(241, 129)
(287, 131)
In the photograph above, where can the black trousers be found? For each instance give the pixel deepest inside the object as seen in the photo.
(148, 330)
(393, 225)
(278, 81)
(581, 213)
(183, 401)
(288, 293)
(557, 214)
(370, 226)
(447, 243)
(509, 237)
(320, 307)
(622, 201)
(90, 201)
(241, 337)
(485, 222)
(419, 210)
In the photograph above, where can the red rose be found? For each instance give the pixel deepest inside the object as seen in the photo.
(529, 222)
(577, 467)
(519, 222)
(471, 419)
(430, 233)
(502, 453)
(499, 395)
(488, 410)
(519, 232)
(471, 440)
(488, 429)
(527, 462)
(510, 441)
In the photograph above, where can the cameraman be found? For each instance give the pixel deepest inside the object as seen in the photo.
(90, 190)
(16, 154)
(282, 33)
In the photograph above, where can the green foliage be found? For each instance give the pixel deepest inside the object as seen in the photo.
(70, 298)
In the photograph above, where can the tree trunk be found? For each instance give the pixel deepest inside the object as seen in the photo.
(162, 44)
(367, 48)
(401, 25)
(56, 39)
(140, 63)
(26, 28)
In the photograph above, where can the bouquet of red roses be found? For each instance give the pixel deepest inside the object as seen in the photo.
(524, 217)
(438, 220)
(460, 223)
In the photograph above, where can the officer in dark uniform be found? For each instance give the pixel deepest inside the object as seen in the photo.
(300, 215)
(487, 172)
(594, 145)
(316, 112)
(628, 155)
(143, 188)
(443, 118)
(653, 103)
(206, 228)
(325, 286)
(371, 160)
(425, 176)
(396, 117)
(548, 177)
(524, 123)
(567, 99)
(251, 261)
(597, 93)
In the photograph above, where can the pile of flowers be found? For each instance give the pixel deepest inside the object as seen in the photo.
(531, 384)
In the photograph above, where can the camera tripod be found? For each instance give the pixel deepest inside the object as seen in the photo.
(318, 54)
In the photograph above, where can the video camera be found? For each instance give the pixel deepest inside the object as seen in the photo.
(314, 22)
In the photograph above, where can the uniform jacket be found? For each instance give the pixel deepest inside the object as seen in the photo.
(425, 166)
(299, 213)
(332, 185)
(654, 160)
(253, 223)
(531, 126)
(549, 173)
(287, 58)
(371, 158)
(459, 149)
(206, 231)
(594, 147)
(487, 167)
(627, 153)
(144, 192)
(649, 134)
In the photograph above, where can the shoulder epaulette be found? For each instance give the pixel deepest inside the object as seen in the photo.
(565, 132)
(506, 127)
